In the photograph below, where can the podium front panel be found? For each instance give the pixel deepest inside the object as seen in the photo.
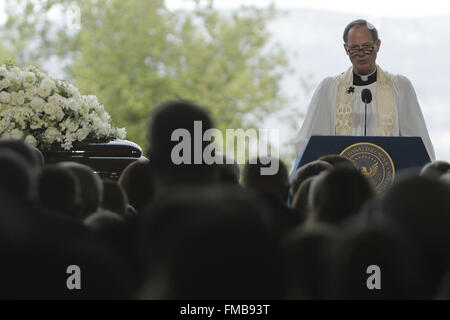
(405, 152)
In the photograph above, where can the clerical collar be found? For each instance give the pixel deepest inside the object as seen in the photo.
(364, 80)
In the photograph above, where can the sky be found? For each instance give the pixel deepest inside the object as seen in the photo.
(388, 8)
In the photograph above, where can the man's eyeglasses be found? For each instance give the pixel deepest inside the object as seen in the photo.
(354, 51)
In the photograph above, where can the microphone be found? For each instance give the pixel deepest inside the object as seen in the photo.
(366, 96)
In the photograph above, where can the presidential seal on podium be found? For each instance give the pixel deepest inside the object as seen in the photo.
(374, 162)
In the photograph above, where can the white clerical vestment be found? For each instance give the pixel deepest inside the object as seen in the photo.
(321, 115)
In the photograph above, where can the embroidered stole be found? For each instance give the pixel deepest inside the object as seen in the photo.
(385, 104)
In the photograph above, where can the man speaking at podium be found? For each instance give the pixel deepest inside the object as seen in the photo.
(364, 100)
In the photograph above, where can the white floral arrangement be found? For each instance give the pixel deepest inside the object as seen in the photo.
(44, 111)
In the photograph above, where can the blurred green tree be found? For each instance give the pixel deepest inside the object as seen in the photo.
(135, 54)
(6, 55)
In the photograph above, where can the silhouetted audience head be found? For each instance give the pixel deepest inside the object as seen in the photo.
(200, 248)
(138, 182)
(306, 171)
(422, 206)
(228, 170)
(40, 157)
(28, 153)
(376, 263)
(102, 274)
(59, 191)
(435, 169)
(103, 220)
(267, 176)
(306, 257)
(91, 187)
(35, 239)
(117, 232)
(445, 178)
(335, 159)
(338, 194)
(114, 197)
(16, 175)
(301, 198)
(176, 144)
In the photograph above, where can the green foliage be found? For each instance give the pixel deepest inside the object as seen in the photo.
(6, 56)
(135, 54)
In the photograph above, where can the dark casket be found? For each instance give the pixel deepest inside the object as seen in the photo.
(108, 159)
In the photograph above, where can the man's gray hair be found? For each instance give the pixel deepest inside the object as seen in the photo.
(359, 23)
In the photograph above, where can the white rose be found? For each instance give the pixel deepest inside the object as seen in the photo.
(30, 93)
(72, 104)
(16, 76)
(6, 111)
(84, 111)
(93, 104)
(96, 122)
(5, 135)
(59, 114)
(28, 79)
(70, 126)
(44, 91)
(37, 123)
(20, 97)
(82, 133)
(54, 99)
(4, 97)
(91, 100)
(103, 129)
(121, 133)
(49, 108)
(47, 82)
(31, 140)
(13, 98)
(73, 91)
(20, 100)
(20, 115)
(16, 134)
(4, 124)
(41, 75)
(37, 104)
(15, 70)
(54, 111)
(105, 116)
(51, 135)
(5, 83)
(83, 123)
